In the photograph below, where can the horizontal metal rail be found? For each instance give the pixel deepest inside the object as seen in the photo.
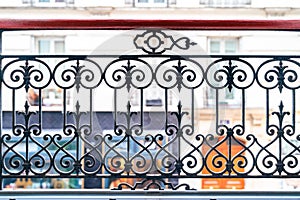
(199, 195)
(125, 24)
(96, 161)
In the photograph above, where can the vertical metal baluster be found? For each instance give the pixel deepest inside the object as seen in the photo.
(142, 114)
(294, 110)
(166, 120)
(229, 162)
(77, 133)
(115, 110)
(166, 109)
(40, 109)
(128, 136)
(78, 115)
(142, 110)
(243, 108)
(179, 137)
(91, 110)
(64, 108)
(1, 178)
(64, 125)
(26, 133)
(217, 109)
(267, 110)
(13, 109)
(192, 111)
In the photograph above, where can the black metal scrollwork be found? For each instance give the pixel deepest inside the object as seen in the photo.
(172, 148)
(157, 42)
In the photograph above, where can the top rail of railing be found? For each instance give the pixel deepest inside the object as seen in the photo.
(124, 24)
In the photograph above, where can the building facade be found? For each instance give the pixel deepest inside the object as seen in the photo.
(107, 42)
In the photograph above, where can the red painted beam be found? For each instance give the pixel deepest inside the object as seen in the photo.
(123, 24)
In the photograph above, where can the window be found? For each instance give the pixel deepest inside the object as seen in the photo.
(50, 46)
(48, 3)
(153, 97)
(222, 46)
(225, 3)
(52, 1)
(151, 3)
(52, 95)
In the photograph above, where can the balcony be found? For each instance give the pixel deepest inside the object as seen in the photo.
(52, 127)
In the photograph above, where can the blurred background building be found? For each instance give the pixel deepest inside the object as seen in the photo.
(210, 42)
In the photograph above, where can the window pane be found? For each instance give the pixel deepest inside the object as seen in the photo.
(59, 47)
(159, 1)
(142, 1)
(230, 46)
(44, 46)
(215, 47)
(225, 2)
(47, 1)
(58, 1)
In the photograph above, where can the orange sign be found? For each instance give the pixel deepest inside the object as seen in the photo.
(212, 157)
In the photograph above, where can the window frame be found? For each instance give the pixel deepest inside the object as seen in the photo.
(226, 3)
(51, 91)
(227, 98)
(151, 3)
(50, 3)
(52, 40)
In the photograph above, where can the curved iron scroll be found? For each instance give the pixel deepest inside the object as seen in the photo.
(131, 152)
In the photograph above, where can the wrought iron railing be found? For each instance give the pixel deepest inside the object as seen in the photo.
(132, 151)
